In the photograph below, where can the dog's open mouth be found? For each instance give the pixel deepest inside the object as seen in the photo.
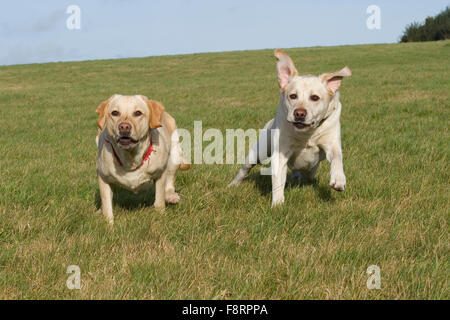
(300, 125)
(126, 141)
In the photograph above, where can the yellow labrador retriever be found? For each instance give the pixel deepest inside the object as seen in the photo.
(137, 142)
(305, 130)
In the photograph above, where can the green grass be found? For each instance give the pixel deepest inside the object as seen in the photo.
(221, 243)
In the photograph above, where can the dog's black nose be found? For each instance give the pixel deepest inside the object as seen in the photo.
(124, 127)
(300, 114)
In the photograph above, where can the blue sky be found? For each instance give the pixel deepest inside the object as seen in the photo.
(35, 31)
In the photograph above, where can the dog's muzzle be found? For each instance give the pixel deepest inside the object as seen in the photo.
(125, 139)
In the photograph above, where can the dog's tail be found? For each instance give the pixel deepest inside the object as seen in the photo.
(184, 166)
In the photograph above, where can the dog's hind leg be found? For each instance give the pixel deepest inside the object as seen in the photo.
(297, 177)
(160, 184)
(258, 153)
(246, 167)
(305, 176)
(311, 174)
(176, 161)
(171, 196)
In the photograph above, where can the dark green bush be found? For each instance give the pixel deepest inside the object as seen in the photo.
(434, 28)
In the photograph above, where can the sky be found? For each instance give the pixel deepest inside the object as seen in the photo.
(36, 31)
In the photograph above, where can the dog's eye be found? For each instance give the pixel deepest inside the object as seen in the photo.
(115, 113)
(137, 113)
(314, 97)
(293, 96)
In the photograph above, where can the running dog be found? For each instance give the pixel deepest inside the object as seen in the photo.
(305, 130)
(137, 142)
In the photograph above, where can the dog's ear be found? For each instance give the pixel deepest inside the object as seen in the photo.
(101, 111)
(156, 110)
(285, 68)
(333, 80)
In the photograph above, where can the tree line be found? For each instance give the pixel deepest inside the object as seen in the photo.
(434, 28)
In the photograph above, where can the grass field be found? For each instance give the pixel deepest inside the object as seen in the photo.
(221, 243)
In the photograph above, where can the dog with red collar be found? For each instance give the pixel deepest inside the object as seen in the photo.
(137, 143)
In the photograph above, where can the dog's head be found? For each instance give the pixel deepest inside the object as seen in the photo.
(306, 98)
(128, 119)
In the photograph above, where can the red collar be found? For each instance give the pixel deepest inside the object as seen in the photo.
(144, 158)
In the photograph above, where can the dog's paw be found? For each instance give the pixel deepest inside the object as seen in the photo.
(172, 198)
(236, 181)
(337, 182)
(232, 183)
(159, 207)
(108, 218)
(277, 202)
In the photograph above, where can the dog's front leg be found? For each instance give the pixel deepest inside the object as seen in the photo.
(334, 156)
(160, 192)
(279, 170)
(106, 196)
